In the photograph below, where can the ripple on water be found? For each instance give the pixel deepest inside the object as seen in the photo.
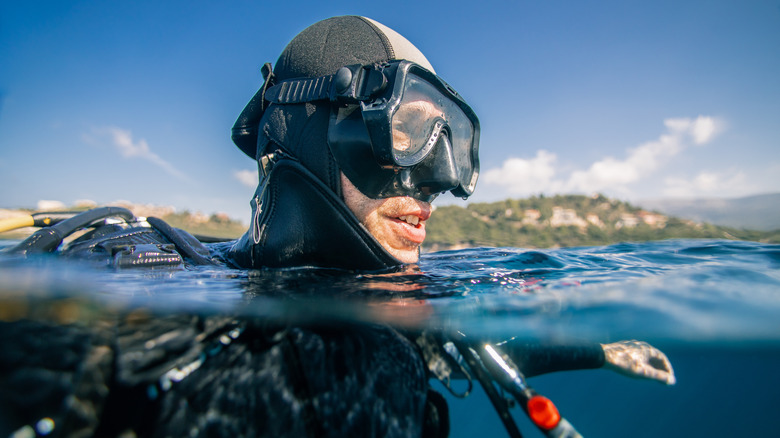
(684, 289)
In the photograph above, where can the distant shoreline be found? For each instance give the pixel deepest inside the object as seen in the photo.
(536, 222)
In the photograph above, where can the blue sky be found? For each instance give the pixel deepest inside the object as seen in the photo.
(134, 101)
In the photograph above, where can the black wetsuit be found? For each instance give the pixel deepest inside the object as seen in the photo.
(191, 375)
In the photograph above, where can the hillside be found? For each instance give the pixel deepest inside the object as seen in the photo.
(565, 220)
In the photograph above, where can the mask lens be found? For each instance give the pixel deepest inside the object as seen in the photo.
(418, 122)
(415, 121)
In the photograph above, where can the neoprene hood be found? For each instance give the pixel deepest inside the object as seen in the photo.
(298, 215)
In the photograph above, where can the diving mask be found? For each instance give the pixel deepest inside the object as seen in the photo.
(396, 129)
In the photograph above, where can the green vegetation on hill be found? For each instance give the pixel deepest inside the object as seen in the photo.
(565, 220)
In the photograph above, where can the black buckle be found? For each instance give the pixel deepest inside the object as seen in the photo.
(358, 83)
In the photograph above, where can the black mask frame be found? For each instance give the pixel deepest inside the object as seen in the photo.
(366, 98)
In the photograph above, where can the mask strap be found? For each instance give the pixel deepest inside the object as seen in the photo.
(351, 84)
(300, 90)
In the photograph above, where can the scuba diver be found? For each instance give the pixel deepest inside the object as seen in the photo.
(353, 139)
(354, 135)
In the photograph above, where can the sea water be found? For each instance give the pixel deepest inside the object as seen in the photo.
(713, 306)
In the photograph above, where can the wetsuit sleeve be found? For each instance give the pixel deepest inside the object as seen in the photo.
(536, 359)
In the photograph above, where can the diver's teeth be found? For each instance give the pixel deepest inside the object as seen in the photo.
(414, 220)
(411, 219)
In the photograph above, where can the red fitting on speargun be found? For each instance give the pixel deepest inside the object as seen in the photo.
(543, 412)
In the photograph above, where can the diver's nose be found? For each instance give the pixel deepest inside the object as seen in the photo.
(437, 173)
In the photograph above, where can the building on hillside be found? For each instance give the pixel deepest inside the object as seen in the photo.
(198, 218)
(627, 220)
(531, 217)
(594, 219)
(653, 219)
(221, 217)
(566, 217)
(146, 210)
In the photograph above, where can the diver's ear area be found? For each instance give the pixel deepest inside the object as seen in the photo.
(301, 222)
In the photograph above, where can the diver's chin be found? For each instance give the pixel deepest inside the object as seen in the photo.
(407, 255)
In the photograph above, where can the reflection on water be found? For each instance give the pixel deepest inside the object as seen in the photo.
(684, 295)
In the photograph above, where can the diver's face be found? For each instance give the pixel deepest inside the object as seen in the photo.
(397, 223)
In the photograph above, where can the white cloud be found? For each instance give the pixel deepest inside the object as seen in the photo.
(123, 141)
(701, 129)
(645, 159)
(247, 177)
(720, 184)
(538, 175)
(704, 130)
(525, 176)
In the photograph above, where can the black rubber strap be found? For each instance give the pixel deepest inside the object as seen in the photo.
(300, 90)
